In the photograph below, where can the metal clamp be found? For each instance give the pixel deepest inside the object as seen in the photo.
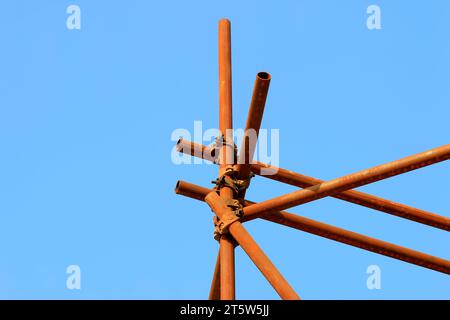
(245, 183)
(219, 142)
(236, 206)
(228, 179)
(222, 226)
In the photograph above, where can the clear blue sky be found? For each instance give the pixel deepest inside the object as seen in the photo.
(86, 116)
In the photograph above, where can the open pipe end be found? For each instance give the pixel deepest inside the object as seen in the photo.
(177, 187)
(264, 76)
(179, 146)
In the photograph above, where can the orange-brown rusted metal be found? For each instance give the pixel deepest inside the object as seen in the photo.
(254, 118)
(225, 96)
(262, 262)
(350, 181)
(233, 181)
(227, 291)
(226, 155)
(214, 292)
(251, 248)
(331, 232)
(358, 197)
(196, 150)
(353, 196)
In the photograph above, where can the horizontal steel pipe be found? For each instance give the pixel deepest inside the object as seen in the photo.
(353, 196)
(252, 249)
(349, 181)
(334, 233)
(197, 150)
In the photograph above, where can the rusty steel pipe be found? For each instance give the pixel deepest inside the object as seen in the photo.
(225, 95)
(214, 292)
(196, 150)
(226, 154)
(254, 119)
(349, 181)
(262, 262)
(227, 279)
(251, 248)
(353, 196)
(334, 233)
(360, 198)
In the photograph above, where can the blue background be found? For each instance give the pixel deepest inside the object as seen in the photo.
(86, 117)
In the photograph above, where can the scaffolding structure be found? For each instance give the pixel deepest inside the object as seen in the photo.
(227, 198)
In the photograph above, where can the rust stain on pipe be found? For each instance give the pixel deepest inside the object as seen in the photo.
(353, 196)
(334, 233)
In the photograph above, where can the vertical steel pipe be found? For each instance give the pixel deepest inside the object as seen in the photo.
(225, 95)
(226, 154)
(349, 181)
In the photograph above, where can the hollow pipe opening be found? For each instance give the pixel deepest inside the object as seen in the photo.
(264, 75)
(177, 187)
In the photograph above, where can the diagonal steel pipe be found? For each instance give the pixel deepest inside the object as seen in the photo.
(331, 232)
(254, 119)
(227, 272)
(214, 292)
(353, 196)
(251, 248)
(360, 198)
(350, 181)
